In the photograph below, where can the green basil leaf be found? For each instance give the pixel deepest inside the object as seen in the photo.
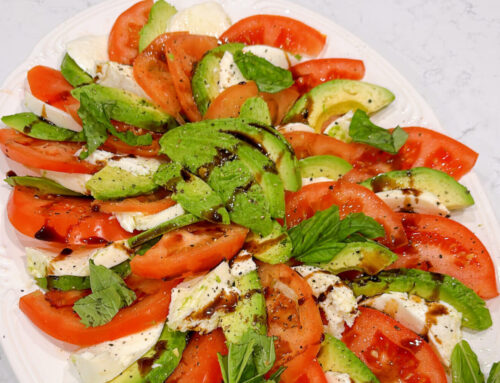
(130, 138)
(494, 373)
(464, 365)
(363, 130)
(359, 223)
(322, 253)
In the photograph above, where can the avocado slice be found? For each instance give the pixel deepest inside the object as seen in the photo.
(43, 185)
(273, 248)
(250, 312)
(73, 74)
(160, 14)
(206, 76)
(36, 127)
(336, 357)
(112, 182)
(128, 107)
(194, 195)
(369, 257)
(159, 362)
(337, 97)
(256, 109)
(431, 287)
(450, 192)
(324, 166)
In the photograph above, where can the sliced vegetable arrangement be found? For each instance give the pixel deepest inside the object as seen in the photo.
(213, 203)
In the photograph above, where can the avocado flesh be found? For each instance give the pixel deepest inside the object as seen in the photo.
(194, 195)
(43, 185)
(36, 127)
(112, 183)
(206, 76)
(324, 166)
(128, 107)
(256, 109)
(431, 287)
(336, 357)
(73, 74)
(160, 14)
(165, 356)
(337, 97)
(274, 248)
(451, 193)
(250, 312)
(369, 257)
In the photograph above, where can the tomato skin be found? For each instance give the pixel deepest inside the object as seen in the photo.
(350, 198)
(64, 324)
(314, 374)
(65, 298)
(123, 43)
(61, 219)
(174, 254)
(115, 145)
(199, 363)
(280, 103)
(229, 102)
(441, 245)
(277, 31)
(391, 351)
(147, 204)
(311, 73)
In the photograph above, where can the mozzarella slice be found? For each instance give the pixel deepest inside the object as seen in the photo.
(207, 18)
(138, 221)
(414, 201)
(337, 300)
(104, 361)
(229, 74)
(88, 52)
(98, 157)
(337, 377)
(50, 113)
(439, 321)
(275, 56)
(314, 180)
(242, 264)
(296, 127)
(71, 181)
(115, 75)
(339, 128)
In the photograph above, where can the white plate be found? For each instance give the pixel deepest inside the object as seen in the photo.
(37, 358)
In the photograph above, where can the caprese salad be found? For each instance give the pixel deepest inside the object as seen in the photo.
(213, 204)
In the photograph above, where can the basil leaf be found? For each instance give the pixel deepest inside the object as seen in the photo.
(464, 365)
(322, 253)
(268, 77)
(359, 223)
(494, 373)
(363, 130)
(130, 138)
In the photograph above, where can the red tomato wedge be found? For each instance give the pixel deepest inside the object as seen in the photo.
(50, 86)
(444, 246)
(311, 73)
(123, 43)
(280, 103)
(199, 363)
(190, 250)
(40, 154)
(152, 74)
(228, 103)
(65, 298)
(61, 219)
(391, 351)
(313, 374)
(115, 145)
(278, 31)
(294, 320)
(147, 204)
(350, 198)
(64, 324)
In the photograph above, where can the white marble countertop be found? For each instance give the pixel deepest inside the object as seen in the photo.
(447, 49)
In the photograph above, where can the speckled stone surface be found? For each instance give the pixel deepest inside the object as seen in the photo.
(448, 49)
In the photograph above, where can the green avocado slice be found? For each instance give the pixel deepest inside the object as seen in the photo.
(75, 75)
(43, 185)
(256, 109)
(160, 14)
(324, 166)
(274, 248)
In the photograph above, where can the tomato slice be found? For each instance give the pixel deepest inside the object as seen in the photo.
(278, 31)
(350, 198)
(147, 204)
(152, 74)
(65, 298)
(123, 43)
(189, 250)
(294, 320)
(115, 145)
(441, 245)
(228, 103)
(199, 363)
(280, 103)
(183, 52)
(313, 374)
(311, 73)
(393, 352)
(64, 324)
(60, 219)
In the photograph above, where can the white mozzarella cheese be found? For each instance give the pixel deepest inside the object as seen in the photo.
(138, 166)
(314, 180)
(116, 75)
(104, 361)
(88, 52)
(439, 321)
(229, 74)
(71, 181)
(407, 200)
(191, 298)
(207, 18)
(242, 264)
(98, 157)
(338, 301)
(131, 221)
(50, 113)
(339, 128)
(296, 127)
(275, 56)
(337, 377)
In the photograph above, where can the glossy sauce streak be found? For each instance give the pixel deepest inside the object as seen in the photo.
(146, 363)
(224, 302)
